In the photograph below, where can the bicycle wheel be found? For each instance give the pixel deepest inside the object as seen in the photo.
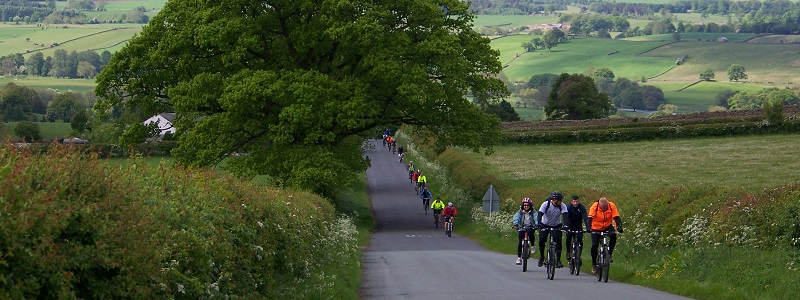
(436, 220)
(606, 265)
(576, 253)
(449, 229)
(572, 263)
(599, 266)
(526, 248)
(551, 262)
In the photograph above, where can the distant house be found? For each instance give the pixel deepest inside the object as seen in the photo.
(545, 27)
(74, 141)
(164, 121)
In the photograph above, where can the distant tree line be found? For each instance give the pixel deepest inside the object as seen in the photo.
(19, 103)
(62, 64)
(622, 92)
(778, 16)
(23, 11)
(516, 7)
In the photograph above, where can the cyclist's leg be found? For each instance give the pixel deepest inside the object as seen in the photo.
(569, 243)
(542, 240)
(593, 250)
(611, 244)
(557, 237)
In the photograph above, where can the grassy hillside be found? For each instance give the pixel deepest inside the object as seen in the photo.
(578, 55)
(699, 96)
(61, 84)
(28, 39)
(49, 130)
(647, 166)
(775, 63)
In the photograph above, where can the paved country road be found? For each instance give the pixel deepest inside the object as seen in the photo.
(408, 258)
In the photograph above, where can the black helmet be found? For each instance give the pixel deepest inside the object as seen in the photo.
(557, 195)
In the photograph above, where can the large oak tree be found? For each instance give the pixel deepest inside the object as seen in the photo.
(295, 85)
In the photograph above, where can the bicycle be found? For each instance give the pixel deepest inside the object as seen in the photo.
(401, 157)
(448, 226)
(426, 204)
(436, 218)
(575, 261)
(603, 256)
(551, 260)
(527, 249)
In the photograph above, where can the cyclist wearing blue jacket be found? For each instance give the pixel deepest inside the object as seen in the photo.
(426, 197)
(552, 211)
(524, 220)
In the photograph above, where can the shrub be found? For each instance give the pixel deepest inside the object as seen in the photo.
(78, 228)
(28, 131)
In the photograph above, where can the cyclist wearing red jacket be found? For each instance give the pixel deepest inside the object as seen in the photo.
(448, 213)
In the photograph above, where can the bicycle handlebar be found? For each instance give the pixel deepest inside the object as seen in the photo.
(603, 232)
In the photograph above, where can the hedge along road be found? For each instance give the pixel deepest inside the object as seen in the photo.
(408, 258)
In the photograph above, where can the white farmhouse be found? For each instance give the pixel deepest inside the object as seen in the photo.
(164, 121)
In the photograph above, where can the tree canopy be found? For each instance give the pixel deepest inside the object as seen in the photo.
(576, 97)
(296, 85)
(736, 72)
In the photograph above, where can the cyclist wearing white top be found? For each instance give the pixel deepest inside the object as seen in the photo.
(551, 214)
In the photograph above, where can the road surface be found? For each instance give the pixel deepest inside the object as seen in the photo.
(408, 258)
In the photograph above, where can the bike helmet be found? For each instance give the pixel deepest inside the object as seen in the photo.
(450, 204)
(527, 200)
(557, 195)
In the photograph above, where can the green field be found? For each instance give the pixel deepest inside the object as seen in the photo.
(513, 21)
(699, 96)
(648, 166)
(29, 39)
(579, 55)
(693, 37)
(775, 63)
(49, 130)
(60, 84)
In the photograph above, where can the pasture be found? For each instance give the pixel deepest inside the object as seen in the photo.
(59, 84)
(764, 63)
(27, 39)
(49, 130)
(699, 96)
(693, 37)
(747, 162)
(579, 55)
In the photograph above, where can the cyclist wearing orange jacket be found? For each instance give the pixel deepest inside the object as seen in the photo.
(601, 215)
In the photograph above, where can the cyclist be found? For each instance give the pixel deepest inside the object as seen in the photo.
(393, 145)
(400, 152)
(576, 218)
(524, 220)
(448, 213)
(414, 177)
(601, 214)
(387, 132)
(389, 141)
(384, 139)
(437, 206)
(426, 197)
(421, 180)
(552, 211)
(411, 171)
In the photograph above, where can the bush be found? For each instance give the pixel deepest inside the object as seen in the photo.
(28, 131)
(77, 228)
